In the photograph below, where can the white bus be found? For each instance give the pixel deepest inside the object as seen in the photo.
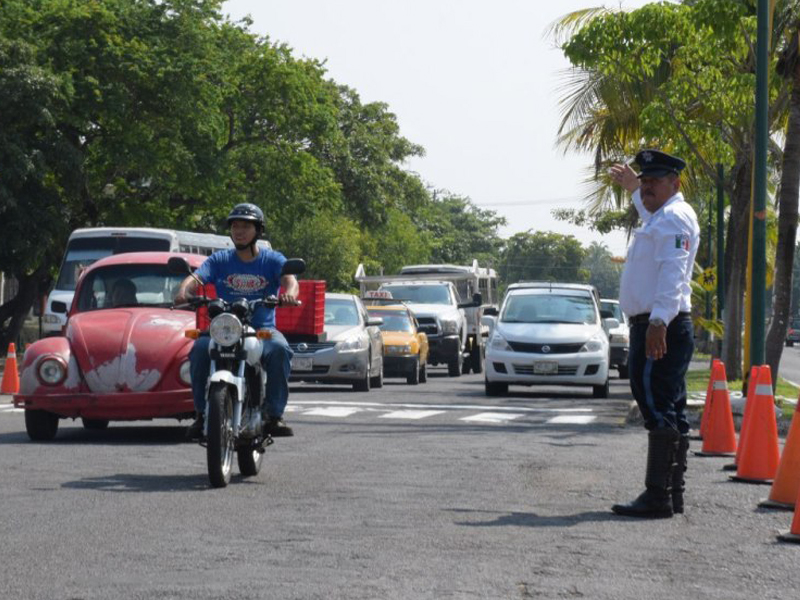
(88, 245)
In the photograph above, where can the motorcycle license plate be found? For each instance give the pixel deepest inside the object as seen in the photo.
(300, 363)
(545, 367)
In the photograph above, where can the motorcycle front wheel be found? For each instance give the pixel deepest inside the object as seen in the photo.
(220, 441)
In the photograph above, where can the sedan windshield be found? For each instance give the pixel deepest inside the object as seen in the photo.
(549, 308)
(340, 311)
(128, 285)
(420, 294)
(613, 308)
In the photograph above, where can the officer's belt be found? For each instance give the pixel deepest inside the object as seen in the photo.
(644, 318)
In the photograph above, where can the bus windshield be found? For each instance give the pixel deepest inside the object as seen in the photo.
(82, 252)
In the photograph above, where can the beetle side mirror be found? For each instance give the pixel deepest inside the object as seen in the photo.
(293, 266)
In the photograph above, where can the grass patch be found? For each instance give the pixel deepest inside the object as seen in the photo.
(697, 381)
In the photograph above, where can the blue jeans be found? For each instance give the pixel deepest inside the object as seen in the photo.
(276, 360)
(659, 386)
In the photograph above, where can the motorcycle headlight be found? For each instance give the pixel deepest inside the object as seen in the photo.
(498, 342)
(352, 344)
(52, 371)
(595, 344)
(184, 373)
(449, 326)
(225, 329)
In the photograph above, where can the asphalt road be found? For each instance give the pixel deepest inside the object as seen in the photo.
(432, 491)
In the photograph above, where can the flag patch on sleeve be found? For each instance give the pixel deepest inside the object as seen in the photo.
(682, 241)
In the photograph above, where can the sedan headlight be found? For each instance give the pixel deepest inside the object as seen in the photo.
(52, 371)
(595, 344)
(353, 344)
(449, 326)
(619, 338)
(185, 372)
(225, 329)
(498, 342)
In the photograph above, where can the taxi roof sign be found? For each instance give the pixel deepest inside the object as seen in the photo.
(378, 294)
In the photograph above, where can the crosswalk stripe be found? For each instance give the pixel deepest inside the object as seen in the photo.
(492, 417)
(333, 411)
(411, 414)
(571, 419)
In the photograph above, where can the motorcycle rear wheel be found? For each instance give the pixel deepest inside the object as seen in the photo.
(220, 441)
(249, 461)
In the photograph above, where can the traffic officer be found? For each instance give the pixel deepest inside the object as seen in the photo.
(655, 291)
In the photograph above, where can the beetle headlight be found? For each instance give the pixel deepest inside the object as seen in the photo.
(52, 371)
(225, 329)
(185, 372)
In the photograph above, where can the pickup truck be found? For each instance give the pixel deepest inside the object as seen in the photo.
(439, 311)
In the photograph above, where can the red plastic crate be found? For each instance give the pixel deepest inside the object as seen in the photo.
(309, 317)
(202, 321)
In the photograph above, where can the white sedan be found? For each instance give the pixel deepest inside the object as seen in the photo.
(548, 334)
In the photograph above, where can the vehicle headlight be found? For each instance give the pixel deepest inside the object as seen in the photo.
(619, 338)
(52, 371)
(407, 349)
(51, 319)
(352, 344)
(225, 329)
(595, 344)
(184, 373)
(449, 326)
(498, 342)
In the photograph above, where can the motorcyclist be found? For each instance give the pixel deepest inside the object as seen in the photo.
(247, 272)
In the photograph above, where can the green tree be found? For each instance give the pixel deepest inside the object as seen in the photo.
(542, 256)
(604, 272)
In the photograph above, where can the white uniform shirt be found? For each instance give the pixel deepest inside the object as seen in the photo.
(658, 269)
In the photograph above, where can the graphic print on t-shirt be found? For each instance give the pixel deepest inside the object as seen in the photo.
(245, 284)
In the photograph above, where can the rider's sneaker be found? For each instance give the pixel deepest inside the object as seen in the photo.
(277, 427)
(195, 430)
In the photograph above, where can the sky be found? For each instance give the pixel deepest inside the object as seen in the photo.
(475, 83)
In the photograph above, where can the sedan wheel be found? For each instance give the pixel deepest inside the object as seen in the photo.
(496, 388)
(363, 385)
(600, 391)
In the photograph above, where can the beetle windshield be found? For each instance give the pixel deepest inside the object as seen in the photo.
(549, 308)
(119, 286)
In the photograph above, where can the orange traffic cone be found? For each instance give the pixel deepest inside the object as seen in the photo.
(793, 535)
(786, 487)
(760, 455)
(10, 383)
(749, 401)
(719, 438)
(709, 398)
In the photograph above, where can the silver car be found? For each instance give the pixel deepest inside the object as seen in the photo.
(352, 351)
(618, 337)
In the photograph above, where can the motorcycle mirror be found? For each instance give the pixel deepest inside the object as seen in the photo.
(293, 266)
(178, 264)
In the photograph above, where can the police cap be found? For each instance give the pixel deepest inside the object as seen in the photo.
(654, 163)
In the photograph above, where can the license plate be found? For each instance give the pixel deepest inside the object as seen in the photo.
(300, 363)
(545, 367)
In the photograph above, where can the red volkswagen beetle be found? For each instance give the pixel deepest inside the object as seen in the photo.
(124, 356)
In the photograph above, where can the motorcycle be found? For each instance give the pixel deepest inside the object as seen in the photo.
(236, 388)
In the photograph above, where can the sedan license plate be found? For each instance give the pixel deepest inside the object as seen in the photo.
(300, 363)
(545, 367)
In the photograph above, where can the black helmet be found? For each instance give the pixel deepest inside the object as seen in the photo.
(247, 212)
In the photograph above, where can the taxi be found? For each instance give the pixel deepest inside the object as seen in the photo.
(405, 348)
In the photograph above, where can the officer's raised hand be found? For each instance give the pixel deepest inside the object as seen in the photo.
(623, 175)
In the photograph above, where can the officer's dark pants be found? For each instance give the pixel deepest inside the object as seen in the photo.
(659, 386)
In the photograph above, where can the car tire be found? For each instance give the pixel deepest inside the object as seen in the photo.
(42, 426)
(496, 388)
(623, 371)
(363, 385)
(423, 373)
(789, 343)
(413, 377)
(454, 366)
(95, 424)
(377, 381)
(600, 391)
(476, 359)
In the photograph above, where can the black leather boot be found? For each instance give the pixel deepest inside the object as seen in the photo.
(656, 501)
(678, 483)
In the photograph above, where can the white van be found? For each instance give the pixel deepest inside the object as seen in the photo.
(85, 246)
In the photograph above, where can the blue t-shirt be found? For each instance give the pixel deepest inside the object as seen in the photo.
(252, 280)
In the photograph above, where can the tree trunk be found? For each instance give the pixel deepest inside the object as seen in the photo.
(736, 265)
(14, 312)
(787, 233)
